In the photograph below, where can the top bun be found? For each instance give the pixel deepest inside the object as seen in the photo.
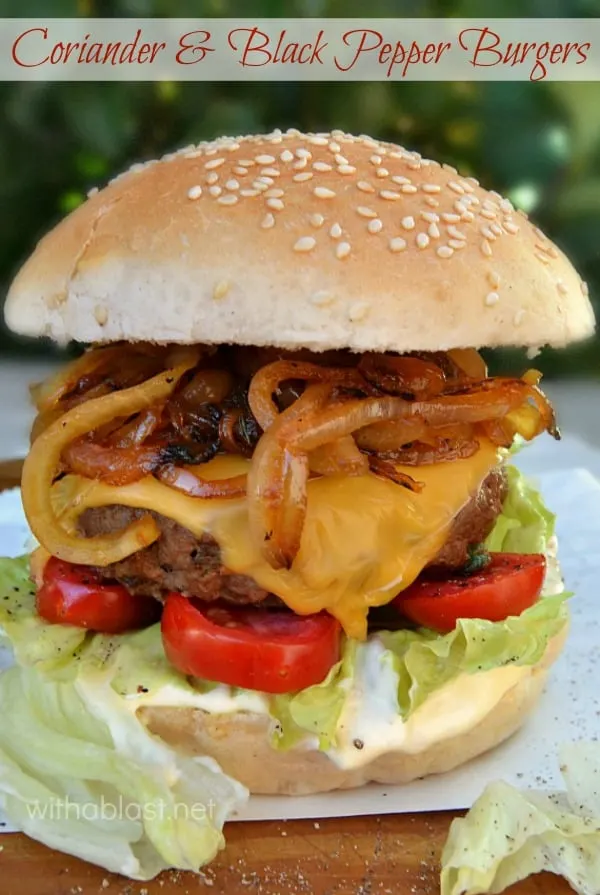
(300, 240)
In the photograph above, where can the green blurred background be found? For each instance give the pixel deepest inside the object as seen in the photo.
(537, 143)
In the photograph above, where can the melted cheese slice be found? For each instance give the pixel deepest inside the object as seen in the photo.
(364, 540)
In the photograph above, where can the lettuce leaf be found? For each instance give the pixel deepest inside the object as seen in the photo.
(78, 771)
(508, 835)
(525, 524)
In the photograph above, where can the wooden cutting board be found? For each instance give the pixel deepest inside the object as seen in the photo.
(389, 855)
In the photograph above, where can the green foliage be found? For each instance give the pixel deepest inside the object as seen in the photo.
(538, 143)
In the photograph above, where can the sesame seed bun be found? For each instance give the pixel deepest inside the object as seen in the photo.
(301, 771)
(298, 240)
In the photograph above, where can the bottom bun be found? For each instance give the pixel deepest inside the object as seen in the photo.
(239, 742)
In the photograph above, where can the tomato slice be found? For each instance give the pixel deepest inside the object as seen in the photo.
(270, 650)
(510, 583)
(74, 595)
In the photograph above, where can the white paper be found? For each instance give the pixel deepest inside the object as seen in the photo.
(569, 709)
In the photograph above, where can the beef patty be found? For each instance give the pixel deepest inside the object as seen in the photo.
(178, 561)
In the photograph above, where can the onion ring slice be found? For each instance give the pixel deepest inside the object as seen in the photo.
(44, 458)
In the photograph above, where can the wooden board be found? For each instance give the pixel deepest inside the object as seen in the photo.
(390, 855)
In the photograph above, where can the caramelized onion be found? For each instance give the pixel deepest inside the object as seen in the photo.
(46, 395)
(439, 450)
(403, 375)
(267, 380)
(470, 362)
(137, 430)
(190, 483)
(267, 478)
(113, 465)
(207, 387)
(387, 470)
(340, 457)
(44, 458)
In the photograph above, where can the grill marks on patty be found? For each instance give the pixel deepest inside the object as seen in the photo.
(179, 561)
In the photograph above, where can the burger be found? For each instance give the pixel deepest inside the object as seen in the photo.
(280, 546)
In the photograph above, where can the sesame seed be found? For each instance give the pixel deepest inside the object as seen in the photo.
(397, 178)
(274, 193)
(275, 204)
(341, 159)
(455, 233)
(232, 184)
(375, 226)
(302, 176)
(322, 297)
(286, 156)
(212, 177)
(303, 153)
(264, 159)
(450, 218)
(382, 172)
(493, 279)
(539, 233)
(366, 212)
(215, 190)
(365, 186)
(408, 188)
(422, 240)
(214, 163)
(221, 289)
(497, 229)
(542, 257)
(506, 206)
(318, 141)
(317, 220)
(445, 252)
(413, 165)
(342, 250)
(271, 172)
(334, 147)
(432, 201)
(194, 192)
(268, 221)
(492, 298)
(321, 192)
(518, 318)
(430, 216)
(358, 311)
(434, 231)
(511, 227)
(457, 243)
(239, 170)
(92, 192)
(431, 187)
(300, 164)
(486, 248)
(230, 199)
(249, 193)
(455, 187)
(101, 315)
(347, 169)
(391, 195)
(322, 166)
(488, 213)
(335, 231)
(488, 233)
(305, 244)
(408, 222)
(397, 244)
(561, 287)
(375, 159)
(467, 216)
(265, 179)
(260, 186)
(247, 162)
